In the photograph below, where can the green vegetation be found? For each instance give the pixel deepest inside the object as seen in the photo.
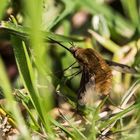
(41, 100)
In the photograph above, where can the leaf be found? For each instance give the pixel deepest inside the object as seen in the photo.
(117, 116)
(3, 4)
(26, 72)
(131, 10)
(23, 33)
(11, 103)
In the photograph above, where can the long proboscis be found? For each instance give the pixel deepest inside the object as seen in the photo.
(55, 41)
(114, 65)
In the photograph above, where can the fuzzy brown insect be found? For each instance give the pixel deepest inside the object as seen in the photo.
(96, 73)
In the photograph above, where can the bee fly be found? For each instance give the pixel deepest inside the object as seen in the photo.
(96, 73)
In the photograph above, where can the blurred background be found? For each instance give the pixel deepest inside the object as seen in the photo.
(116, 36)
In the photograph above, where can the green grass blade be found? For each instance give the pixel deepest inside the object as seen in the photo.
(131, 10)
(118, 116)
(32, 117)
(3, 4)
(11, 103)
(78, 133)
(63, 129)
(107, 43)
(39, 49)
(23, 33)
(25, 70)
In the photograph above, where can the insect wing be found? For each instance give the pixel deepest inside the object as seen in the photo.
(121, 67)
(86, 91)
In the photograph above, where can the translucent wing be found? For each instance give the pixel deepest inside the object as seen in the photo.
(87, 88)
(121, 67)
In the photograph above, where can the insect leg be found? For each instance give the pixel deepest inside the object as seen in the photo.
(72, 76)
(70, 67)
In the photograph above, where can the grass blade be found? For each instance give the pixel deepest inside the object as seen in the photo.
(11, 103)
